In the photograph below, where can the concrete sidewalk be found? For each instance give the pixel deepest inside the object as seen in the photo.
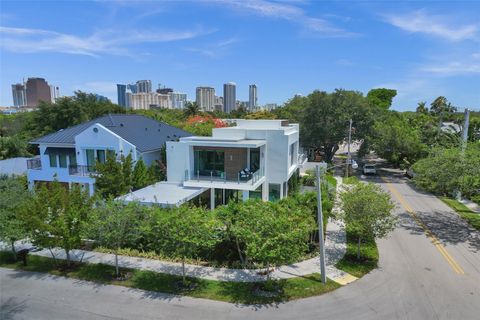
(335, 247)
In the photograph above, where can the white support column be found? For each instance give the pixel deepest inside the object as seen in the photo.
(265, 191)
(245, 195)
(281, 190)
(91, 189)
(212, 198)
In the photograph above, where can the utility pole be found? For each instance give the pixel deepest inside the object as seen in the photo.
(349, 158)
(321, 240)
(466, 124)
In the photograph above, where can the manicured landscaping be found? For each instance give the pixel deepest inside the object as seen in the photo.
(368, 256)
(235, 292)
(463, 211)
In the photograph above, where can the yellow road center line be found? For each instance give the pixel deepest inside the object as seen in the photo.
(455, 266)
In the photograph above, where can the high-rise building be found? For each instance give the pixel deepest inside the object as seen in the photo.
(252, 97)
(144, 86)
(164, 90)
(177, 100)
(143, 100)
(132, 87)
(55, 93)
(19, 95)
(37, 89)
(218, 103)
(205, 98)
(229, 96)
(122, 95)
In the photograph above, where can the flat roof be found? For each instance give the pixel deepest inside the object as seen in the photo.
(163, 193)
(223, 142)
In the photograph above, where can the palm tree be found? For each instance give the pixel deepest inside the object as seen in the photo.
(191, 109)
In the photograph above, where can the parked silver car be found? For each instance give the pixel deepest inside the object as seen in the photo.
(369, 169)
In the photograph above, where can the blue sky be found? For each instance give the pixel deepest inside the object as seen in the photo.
(422, 49)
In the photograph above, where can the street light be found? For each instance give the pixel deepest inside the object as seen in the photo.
(321, 239)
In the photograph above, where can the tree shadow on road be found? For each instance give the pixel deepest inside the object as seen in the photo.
(11, 307)
(449, 228)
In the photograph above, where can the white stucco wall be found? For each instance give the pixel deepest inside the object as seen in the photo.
(103, 139)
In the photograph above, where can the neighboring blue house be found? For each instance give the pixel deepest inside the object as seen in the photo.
(69, 155)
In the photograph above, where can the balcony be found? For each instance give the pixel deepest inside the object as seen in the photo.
(34, 164)
(81, 170)
(213, 179)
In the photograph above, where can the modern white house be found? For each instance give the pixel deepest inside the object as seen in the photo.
(69, 155)
(251, 159)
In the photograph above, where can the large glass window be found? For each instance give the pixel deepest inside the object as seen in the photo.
(101, 156)
(209, 162)
(90, 157)
(256, 194)
(53, 160)
(254, 159)
(73, 159)
(273, 192)
(292, 154)
(62, 160)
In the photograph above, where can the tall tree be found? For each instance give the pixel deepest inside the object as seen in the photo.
(367, 211)
(191, 109)
(273, 234)
(186, 231)
(140, 175)
(324, 122)
(381, 97)
(109, 180)
(115, 224)
(422, 107)
(395, 140)
(57, 216)
(13, 192)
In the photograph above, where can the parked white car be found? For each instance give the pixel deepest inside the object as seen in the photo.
(369, 169)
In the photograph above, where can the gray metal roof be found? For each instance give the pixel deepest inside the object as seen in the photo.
(145, 133)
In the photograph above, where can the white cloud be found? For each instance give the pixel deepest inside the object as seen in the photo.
(289, 12)
(420, 22)
(454, 68)
(111, 42)
(216, 49)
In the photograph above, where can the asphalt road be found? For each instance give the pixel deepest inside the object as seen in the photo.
(429, 269)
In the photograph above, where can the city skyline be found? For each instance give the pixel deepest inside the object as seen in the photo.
(422, 50)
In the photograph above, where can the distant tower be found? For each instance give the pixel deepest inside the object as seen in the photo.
(19, 95)
(205, 98)
(144, 86)
(122, 95)
(229, 96)
(252, 97)
(37, 89)
(55, 93)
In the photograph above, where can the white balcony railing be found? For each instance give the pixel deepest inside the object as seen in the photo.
(215, 176)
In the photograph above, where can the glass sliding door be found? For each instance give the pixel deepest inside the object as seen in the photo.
(90, 159)
(101, 156)
(254, 159)
(209, 163)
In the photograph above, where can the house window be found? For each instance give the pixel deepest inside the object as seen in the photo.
(101, 156)
(273, 192)
(73, 159)
(292, 154)
(254, 159)
(209, 162)
(53, 160)
(62, 160)
(90, 157)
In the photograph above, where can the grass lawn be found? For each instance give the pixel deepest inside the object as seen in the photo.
(472, 218)
(368, 256)
(235, 292)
